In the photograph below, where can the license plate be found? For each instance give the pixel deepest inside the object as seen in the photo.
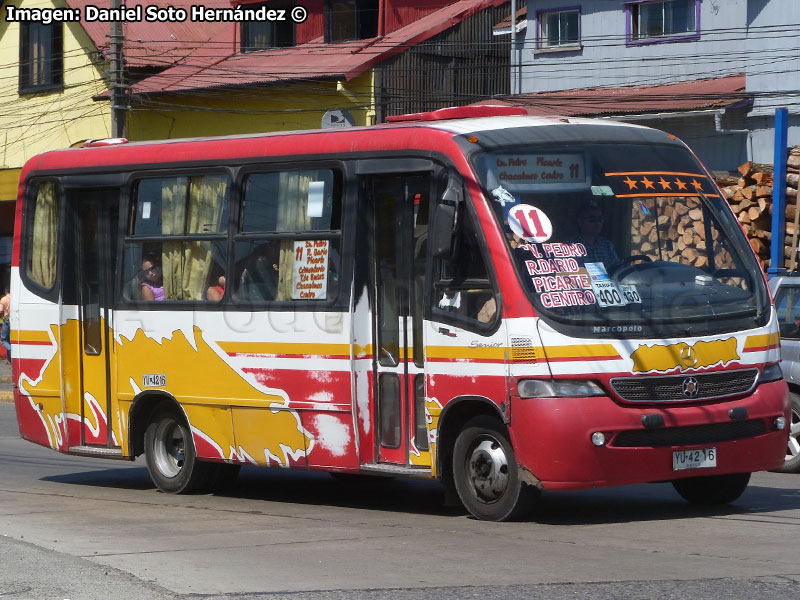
(694, 459)
(154, 380)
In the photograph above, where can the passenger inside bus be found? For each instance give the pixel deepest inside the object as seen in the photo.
(215, 292)
(598, 247)
(132, 290)
(259, 273)
(153, 284)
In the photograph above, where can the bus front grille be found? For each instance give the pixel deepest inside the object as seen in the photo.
(685, 388)
(691, 435)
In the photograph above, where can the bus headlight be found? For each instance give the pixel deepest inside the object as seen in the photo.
(563, 388)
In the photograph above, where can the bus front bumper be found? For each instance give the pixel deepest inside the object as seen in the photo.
(553, 438)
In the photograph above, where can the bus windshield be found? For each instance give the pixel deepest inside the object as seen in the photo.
(623, 238)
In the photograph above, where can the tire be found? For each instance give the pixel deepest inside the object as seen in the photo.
(792, 464)
(171, 458)
(486, 473)
(712, 489)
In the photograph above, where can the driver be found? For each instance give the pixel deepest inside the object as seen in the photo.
(598, 247)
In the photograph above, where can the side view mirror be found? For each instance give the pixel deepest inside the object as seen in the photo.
(441, 238)
(444, 221)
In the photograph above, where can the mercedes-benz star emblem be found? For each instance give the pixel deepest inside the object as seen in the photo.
(688, 357)
(690, 387)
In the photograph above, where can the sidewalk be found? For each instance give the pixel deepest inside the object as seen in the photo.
(6, 394)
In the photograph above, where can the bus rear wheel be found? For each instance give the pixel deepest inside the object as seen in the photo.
(712, 489)
(171, 458)
(486, 473)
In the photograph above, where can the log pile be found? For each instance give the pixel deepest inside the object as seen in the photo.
(750, 197)
(675, 238)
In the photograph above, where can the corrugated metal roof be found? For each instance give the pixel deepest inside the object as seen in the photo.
(505, 24)
(684, 96)
(216, 65)
(154, 44)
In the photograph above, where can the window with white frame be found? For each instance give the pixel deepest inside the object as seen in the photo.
(559, 28)
(658, 20)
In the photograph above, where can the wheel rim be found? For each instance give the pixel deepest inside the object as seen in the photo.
(487, 470)
(793, 449)
(169, 448)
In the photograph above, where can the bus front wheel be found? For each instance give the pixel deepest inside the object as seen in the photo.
(712, 489)
(486, 473)
(171, 457)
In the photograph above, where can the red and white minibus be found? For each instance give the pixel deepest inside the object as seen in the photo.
(505, 303)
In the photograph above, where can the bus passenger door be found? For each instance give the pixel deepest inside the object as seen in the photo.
(87, 337)
(399, 204)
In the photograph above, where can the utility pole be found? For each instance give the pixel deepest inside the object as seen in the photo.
(118, 128)
(512, 70)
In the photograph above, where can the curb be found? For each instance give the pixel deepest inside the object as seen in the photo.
(6, 396)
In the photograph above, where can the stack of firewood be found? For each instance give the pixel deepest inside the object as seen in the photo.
(750, 197)
(675, 238)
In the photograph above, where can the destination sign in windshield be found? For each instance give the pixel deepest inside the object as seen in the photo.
(513, 170)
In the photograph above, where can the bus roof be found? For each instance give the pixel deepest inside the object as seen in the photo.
(396, 136)
(475, 125)
(456, 125)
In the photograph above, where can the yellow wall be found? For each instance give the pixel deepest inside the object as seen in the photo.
(224, 112)
(35, 123)
(9, 183)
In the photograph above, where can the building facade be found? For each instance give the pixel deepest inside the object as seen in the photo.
(598, 45)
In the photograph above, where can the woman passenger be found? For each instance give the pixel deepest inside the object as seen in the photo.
(153, 284)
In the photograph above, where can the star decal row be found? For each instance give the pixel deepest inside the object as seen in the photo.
(648, 184)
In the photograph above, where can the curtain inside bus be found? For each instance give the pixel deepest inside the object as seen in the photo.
(186, 265)
(292, 216)
(45, 236)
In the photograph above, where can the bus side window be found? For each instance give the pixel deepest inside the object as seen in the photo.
(163, 208)
(287, 246)
(462, 287)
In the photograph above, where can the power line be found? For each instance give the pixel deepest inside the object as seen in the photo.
(170, 57)
(712, 64)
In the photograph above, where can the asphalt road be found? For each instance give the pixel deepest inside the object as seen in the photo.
(5, 382)
(82, 528)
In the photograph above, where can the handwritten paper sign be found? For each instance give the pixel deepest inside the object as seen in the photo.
(310, 274)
